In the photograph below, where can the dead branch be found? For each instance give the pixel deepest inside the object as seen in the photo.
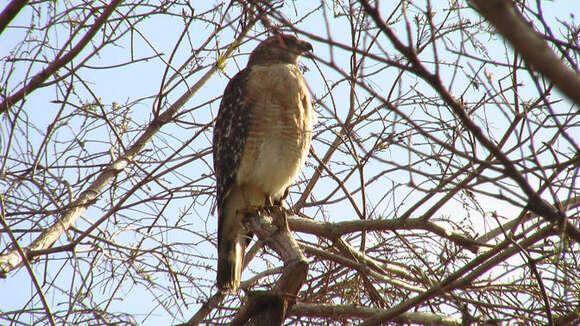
(270, 308)
(509, 23)
(60, 62)
(334, 230)
(338, 312)
(46, 239)
(11, 10)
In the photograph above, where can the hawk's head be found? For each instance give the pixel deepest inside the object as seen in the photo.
(279, 48)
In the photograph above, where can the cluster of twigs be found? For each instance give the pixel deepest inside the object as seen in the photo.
(441, 186)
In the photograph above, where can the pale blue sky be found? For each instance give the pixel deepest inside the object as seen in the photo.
(127, 84)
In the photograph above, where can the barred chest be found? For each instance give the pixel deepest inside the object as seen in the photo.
(280, 130)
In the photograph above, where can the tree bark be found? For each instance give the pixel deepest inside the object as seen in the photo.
(270, 308)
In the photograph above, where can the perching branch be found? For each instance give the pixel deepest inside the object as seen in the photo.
(270, 308)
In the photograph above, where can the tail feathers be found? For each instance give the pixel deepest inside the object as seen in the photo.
(230, 264)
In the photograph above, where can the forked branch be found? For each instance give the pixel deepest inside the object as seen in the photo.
(270, 308)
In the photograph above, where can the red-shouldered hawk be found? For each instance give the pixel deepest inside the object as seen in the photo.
(260, 142)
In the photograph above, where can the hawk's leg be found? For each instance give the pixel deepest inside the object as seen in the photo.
(277, 209)
(268, 201)
(280, 202)
(248, 212)
(284, 212)
(270, 207)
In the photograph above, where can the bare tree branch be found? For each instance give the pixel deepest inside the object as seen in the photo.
(9, 12)
(441, 186)
(509, 22)
(534, 202)
(13, 259)
(270, 308)
(60, 61)
(334, 230)
(351, 311)
(461, 277)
